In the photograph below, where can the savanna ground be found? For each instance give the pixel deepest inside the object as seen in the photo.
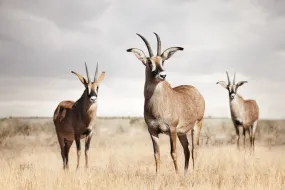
(121, 157)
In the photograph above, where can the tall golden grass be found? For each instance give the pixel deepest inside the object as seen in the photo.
(121, 157)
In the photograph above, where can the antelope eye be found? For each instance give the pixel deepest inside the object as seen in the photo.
(155, 72)
(97, 88)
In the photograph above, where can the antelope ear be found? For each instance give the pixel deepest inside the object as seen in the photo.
(101, 78)
(169, 52)
(139, 54)
(223, 84)
(81, 78)
(241, 83)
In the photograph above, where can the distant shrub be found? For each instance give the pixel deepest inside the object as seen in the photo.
(134, 120)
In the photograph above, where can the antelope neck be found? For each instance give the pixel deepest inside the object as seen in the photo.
(155, 88)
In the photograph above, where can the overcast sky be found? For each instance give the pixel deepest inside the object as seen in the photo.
(42, 41)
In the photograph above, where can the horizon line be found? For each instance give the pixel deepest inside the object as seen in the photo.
(122, 117)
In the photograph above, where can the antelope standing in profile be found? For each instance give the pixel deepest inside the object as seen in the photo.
(244, 113)
(173, 111)
(75, 120)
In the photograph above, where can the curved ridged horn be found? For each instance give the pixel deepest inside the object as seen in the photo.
(234, 81)
(158, 44)
(147, 45)
(96, 73)
(87, 73)
(228, 77)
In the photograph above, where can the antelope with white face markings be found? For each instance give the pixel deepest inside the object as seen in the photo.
(75, 120)
(174, 111)
(244, 113)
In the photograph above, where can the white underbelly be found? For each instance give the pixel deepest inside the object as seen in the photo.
(160, 125)
(185, 128)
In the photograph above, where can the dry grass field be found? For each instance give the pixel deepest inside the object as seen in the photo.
(121, 157)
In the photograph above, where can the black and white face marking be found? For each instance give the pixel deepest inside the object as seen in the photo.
(231, 87)
(92, 90)
(232, 91)
(154, 63)
(156, 67)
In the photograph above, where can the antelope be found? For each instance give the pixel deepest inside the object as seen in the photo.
(75, 120)
(244, 113)
(172, 111)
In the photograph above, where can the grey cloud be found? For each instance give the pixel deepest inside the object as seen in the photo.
(66, 14)
(186, 23)
(274, 8)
